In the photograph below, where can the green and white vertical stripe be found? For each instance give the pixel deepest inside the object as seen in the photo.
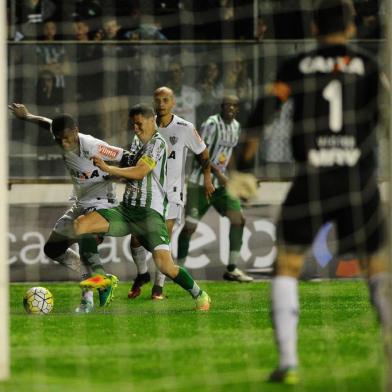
(220, 138)
(151, 190)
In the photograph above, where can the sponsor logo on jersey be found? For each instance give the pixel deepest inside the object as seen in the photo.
(173, 140)
(108, 151)
(322, 64)
(326, 157)
(181, 123)
(222, 158)
(84, 175)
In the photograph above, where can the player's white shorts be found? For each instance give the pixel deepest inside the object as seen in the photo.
(175, 211)
(64, 225)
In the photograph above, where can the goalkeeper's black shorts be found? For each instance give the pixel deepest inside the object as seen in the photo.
(355, 211)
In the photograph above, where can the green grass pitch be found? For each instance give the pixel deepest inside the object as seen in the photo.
(144, 345)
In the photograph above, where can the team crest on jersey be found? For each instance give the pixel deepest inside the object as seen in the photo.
(173, 140)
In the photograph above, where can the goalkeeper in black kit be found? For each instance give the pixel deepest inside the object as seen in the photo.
(335, 92)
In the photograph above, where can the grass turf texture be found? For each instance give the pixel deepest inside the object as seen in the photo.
(145, 345)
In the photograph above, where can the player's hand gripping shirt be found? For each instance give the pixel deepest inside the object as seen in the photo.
(220, 139)
(180, 135)
(151, 190)
(90, 184)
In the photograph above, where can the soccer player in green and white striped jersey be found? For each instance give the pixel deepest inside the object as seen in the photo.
(221, 133)
(180, 136)
(142, 211)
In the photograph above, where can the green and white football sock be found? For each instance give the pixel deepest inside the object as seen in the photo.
(139, 256)
(285, 308)
(186, 281)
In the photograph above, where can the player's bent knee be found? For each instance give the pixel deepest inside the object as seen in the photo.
(55, 249)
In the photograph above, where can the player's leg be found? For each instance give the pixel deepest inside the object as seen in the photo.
(92, 222)
(57, 248)
(97, 277)
(230, 207)
(139, 255)
(376, 270)
(285, 312)
(150, 228)
(295, 232)
(196, 206)
(164, 262)
(159, 279)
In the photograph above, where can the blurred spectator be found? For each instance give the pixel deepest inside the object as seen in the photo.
(49, 31)
(30, 13)
(81, 30)
(52, 56)
(49, 97)
(111, 29)
(187, 98)
(261, 28)
(210, 88)
(147, 29)
(237, 82)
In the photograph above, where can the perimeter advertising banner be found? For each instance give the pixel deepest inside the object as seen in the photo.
(209, 249)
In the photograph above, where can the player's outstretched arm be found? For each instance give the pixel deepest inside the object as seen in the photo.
(204, 160)
(20, 111)
(138, 172)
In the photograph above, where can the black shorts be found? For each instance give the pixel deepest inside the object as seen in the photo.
(356, 212)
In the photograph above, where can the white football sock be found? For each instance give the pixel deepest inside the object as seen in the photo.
(159, 278)
(285, 308)
(234, 255)
(379, 299)
(88, 295)
(139, 256)
(69, 259)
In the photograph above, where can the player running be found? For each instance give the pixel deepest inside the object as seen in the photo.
(221, 133)
(142, 210)
(91, 191)
(335, 91)
(180, 135)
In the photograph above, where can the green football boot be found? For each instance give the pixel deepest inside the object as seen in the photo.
(106, 293)
(203, 302)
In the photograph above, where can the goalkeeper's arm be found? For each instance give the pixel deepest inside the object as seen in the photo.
(20, 111)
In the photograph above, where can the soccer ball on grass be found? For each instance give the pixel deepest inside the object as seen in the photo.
(38, 300)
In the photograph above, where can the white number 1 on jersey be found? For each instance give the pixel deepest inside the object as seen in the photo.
(333, 94)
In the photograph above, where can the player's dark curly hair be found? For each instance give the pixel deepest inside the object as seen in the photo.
(143, 109)
(61, 122)
(333, 16)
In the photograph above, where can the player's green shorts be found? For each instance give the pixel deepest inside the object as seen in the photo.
(144, 223)
(197, 204)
